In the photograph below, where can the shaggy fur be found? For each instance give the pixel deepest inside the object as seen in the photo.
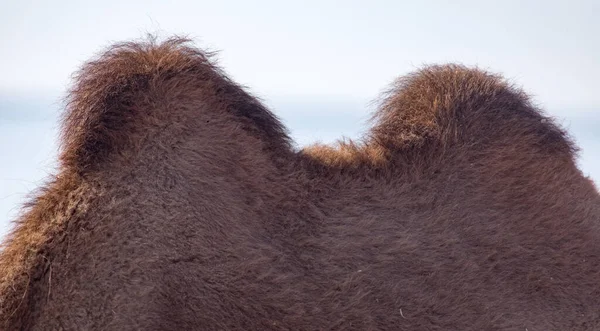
(181, 205)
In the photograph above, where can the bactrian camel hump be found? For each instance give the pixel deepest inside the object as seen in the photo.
(181, 204)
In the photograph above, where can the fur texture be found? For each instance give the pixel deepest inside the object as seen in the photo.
(181, 205)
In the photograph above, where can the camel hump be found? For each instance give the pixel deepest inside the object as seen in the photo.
(135, 86)
(453, 105)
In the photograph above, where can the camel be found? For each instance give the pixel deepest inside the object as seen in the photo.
(181, 203)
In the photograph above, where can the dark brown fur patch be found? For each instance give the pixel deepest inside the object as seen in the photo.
(180, 204)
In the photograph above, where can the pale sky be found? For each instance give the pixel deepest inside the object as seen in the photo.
(316, 63)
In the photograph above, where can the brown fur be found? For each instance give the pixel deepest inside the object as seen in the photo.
(180, 205)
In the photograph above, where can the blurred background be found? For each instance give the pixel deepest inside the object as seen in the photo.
(316, 64)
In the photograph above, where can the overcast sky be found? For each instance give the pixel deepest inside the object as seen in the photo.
(316, 63)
